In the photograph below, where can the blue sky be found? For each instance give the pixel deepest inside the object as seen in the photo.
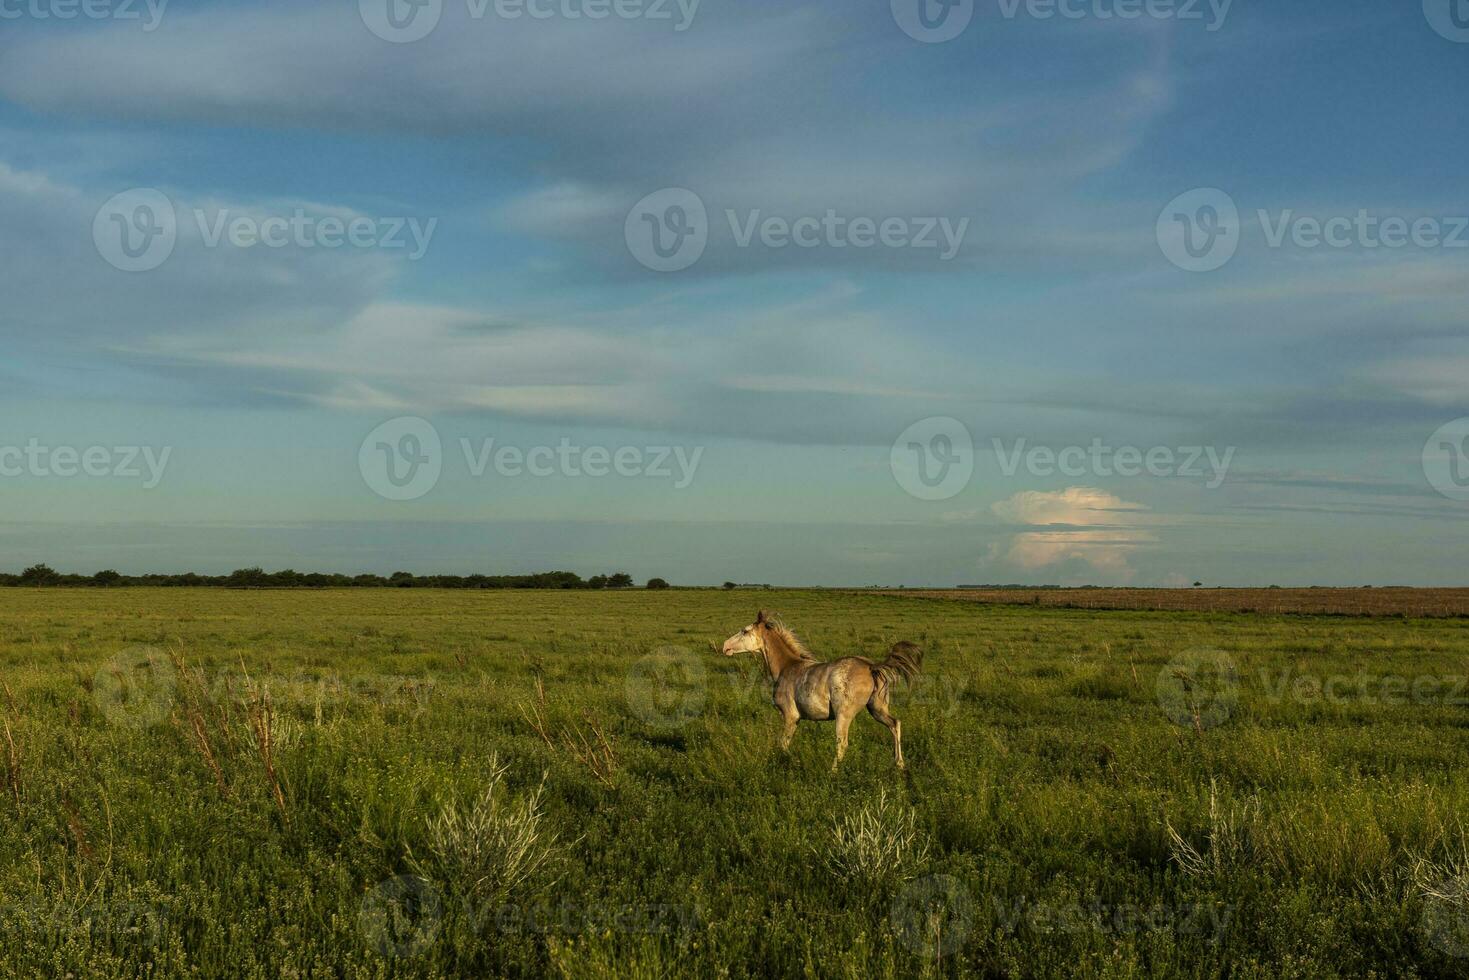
(519, 147)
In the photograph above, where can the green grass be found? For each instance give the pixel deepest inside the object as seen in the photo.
(1055, 821)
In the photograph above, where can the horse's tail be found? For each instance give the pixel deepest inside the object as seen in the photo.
(904, 662)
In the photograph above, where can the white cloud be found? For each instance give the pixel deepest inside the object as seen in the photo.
(1105, 549)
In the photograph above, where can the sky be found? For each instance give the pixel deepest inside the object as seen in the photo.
(1115, 292)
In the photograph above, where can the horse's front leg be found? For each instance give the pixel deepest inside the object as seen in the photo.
(792, 718)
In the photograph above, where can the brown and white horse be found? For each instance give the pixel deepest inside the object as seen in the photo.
(835, 690)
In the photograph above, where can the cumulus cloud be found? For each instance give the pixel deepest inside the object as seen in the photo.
(1094, 528)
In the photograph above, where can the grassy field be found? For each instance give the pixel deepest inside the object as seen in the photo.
(417, 783)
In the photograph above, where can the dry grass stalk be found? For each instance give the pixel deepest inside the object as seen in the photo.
(262, 727)
(594, 752)
(77, 828)
(12, 763)
(590, 746)
(201, 741)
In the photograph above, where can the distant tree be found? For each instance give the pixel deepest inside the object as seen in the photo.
(657, 583)
(597, 582)
(619, 580)
(1198, 585)
(39, 575)
(729, 585)
(403, 580)
(107, 576)
(247, 577)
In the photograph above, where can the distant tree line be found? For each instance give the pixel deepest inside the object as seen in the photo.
(257, 578)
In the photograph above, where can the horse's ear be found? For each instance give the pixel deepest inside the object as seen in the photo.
(760, 618)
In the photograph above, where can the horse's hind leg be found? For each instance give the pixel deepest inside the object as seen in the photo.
(878, 708)
(844, 721)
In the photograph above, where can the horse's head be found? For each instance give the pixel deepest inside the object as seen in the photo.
(751, 639)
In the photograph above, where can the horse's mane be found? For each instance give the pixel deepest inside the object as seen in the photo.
(789, 639)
